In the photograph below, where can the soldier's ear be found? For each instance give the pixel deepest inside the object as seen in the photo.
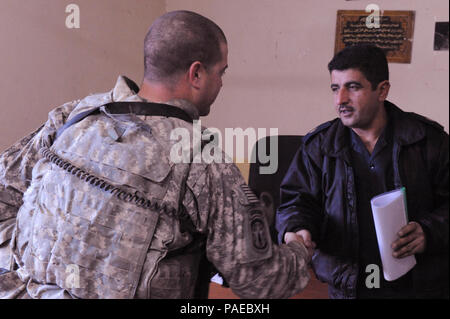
(195, 74)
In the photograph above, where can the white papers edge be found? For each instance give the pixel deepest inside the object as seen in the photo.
(389, 215)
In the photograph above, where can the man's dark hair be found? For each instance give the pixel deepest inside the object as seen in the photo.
(176, 40)
(368, 59)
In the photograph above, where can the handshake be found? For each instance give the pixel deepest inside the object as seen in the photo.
(303, 236)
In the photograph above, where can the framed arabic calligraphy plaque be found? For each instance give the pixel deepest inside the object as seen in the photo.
(393, 32)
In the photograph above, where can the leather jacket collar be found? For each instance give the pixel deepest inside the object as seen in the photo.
(406, 129)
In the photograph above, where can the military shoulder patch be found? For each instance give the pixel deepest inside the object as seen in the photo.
(258, 243)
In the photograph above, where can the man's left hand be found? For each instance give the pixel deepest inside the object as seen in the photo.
(411, 241)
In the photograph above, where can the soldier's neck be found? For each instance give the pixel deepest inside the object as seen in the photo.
(159, 92)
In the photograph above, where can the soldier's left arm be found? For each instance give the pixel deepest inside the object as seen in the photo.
(16, 165)
(238, 240)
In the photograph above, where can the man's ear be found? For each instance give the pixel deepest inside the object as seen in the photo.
(383, 88)
(195, 74)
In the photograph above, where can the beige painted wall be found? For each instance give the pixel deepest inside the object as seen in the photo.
(278, 56)
(44, 64)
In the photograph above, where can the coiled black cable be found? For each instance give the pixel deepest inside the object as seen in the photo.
(107, 187)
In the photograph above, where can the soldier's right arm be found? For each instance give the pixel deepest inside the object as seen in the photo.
(238, 240)
(16, 165)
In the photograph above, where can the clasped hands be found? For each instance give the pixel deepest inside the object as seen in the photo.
(411, 240)
(303, 236)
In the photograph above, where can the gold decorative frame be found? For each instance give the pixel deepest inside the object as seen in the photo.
(394, 34)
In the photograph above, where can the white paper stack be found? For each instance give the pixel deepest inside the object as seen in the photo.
(390, 215)
(217, 279)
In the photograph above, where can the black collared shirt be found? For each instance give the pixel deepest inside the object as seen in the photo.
(374, 175)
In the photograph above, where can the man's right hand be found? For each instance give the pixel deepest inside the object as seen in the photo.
(303, 236)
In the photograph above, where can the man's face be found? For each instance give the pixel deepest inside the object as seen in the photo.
(213, 85)
(356, 103)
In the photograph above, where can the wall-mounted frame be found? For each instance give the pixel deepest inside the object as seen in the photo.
(393, 34)
(441, 36)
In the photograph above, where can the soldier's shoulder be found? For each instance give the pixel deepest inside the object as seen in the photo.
(65, 108)
(62, 113)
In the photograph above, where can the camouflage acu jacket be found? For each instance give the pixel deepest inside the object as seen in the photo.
(62, 236)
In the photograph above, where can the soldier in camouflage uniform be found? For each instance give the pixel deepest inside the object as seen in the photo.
(101, 211)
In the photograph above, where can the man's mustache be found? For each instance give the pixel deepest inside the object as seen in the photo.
(346, 108)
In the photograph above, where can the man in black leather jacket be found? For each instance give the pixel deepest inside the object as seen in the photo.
(373, 147)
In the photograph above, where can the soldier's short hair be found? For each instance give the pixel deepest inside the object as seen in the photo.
(369, 59)
(176, 40)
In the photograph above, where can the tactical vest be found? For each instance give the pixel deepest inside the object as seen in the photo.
(91, 218)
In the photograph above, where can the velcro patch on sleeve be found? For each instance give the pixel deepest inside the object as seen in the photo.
(249, 195)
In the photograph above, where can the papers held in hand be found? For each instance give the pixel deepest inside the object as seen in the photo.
(389, 215)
